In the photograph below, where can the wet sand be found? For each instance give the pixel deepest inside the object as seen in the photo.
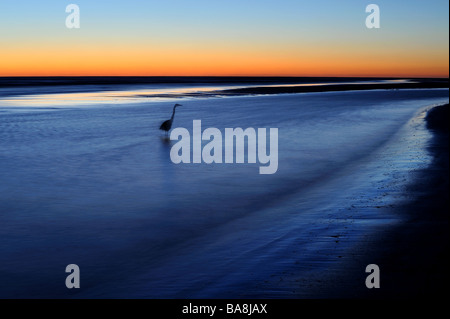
(413, 256)
(416, 260)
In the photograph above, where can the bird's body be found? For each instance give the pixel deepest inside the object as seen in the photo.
(167, 125)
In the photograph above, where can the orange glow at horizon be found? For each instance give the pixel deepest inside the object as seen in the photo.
(202, 60)
(225, 38)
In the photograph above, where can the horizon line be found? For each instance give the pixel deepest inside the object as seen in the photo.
(223, 76)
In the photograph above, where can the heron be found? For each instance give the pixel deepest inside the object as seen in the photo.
(167, 125)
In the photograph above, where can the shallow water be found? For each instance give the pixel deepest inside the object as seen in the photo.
(92, 183)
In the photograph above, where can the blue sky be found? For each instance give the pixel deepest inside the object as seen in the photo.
(288, 25)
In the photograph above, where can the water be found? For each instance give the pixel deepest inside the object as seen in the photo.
(86, 178)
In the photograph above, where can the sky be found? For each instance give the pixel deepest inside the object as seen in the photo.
(225, 38)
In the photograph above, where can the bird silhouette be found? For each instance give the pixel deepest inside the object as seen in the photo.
(167, 125)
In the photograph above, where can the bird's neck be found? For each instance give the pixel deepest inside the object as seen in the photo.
(173, 113)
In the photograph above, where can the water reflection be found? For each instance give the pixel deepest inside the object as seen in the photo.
(156, 93)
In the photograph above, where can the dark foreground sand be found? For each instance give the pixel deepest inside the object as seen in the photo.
(417, 253)
(413, 257)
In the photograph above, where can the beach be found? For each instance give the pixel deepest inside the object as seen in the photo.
(87, 179)
(417, 252)
(413, 256)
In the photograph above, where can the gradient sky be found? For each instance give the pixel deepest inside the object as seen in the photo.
(232, 37)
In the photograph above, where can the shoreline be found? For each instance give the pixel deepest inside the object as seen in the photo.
(412, 256)
(430, 84)
(418, 259)
(250, 86)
